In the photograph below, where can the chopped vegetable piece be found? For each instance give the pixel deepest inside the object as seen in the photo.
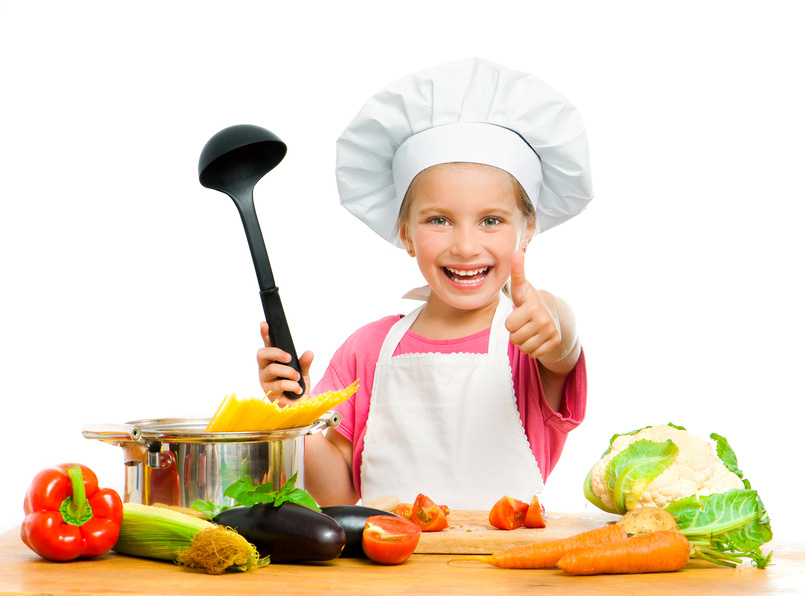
(535, 516)
(429, 516)
(508, 513)
(389, 540)
(404, 510)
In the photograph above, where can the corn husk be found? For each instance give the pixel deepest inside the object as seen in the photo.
(161, 533)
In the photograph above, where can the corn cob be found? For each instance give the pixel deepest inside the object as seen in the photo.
(161, 533)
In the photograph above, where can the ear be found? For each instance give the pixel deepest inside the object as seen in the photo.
(528, 234)
(406, 240)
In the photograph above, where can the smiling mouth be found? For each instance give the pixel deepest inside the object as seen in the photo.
(466, 276)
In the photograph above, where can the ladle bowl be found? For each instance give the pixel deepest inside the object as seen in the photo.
(232, 162)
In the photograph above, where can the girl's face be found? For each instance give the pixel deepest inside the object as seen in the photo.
(463, 225)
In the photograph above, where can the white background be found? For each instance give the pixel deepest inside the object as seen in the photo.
(128, 290)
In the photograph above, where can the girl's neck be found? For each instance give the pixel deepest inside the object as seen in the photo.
(440, 321)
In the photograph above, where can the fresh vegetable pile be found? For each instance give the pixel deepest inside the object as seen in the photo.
(665, 466)
(645, 540)
(679, 500)
(68, 517)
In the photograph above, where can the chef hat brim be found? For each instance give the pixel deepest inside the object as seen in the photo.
(471, 110)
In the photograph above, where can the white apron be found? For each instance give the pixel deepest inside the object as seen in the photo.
(447, 426)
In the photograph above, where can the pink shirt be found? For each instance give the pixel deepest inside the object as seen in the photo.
(545, 429)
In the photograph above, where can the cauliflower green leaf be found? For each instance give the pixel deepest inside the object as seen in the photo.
(629, 472)
(728, 457)
(593, 498)
(725, 525)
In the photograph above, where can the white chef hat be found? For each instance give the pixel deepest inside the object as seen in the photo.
(471, 110)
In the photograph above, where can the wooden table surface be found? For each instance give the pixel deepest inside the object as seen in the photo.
(23, 572)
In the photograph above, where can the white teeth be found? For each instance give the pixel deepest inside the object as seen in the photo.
(471, 275)
(465, 273)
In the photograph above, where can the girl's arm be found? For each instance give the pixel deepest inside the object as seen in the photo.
(556, 364)
(328, 469)
(544, 327)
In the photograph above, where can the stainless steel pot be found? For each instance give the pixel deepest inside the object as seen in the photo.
(175, 461)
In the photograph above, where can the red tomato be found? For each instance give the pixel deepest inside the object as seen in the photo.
(388, 539)
(404, 510)
(428, 515)
(535, 518)
(508, 513)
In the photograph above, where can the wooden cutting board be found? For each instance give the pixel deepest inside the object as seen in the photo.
(470, 533)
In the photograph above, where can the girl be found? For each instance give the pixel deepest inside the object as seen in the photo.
(470, 397)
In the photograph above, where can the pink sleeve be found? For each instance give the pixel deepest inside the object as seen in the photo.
(356, 359)
(546, 429)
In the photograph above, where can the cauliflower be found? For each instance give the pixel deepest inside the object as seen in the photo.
(656, 466)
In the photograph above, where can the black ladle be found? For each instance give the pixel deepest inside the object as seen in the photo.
(232, 162)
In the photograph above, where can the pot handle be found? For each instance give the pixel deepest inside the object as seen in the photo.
(327, 420)
(112, 433)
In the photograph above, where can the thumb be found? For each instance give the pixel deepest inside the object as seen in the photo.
(519, 284)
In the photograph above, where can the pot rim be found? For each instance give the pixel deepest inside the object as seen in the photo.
(192, 430)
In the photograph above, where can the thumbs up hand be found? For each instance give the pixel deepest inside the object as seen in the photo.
(534, 323)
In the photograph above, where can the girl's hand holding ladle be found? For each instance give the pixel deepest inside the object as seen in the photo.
(276, 376)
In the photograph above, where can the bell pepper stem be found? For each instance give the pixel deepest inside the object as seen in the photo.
(75, 509)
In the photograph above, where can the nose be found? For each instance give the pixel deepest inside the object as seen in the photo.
(465, 242)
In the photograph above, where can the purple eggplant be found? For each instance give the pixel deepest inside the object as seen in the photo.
(352, 518)
(288, 533)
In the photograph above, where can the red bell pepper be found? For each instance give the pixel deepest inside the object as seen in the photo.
(68, 516)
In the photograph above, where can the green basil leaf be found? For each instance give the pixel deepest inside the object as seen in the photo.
(207, 507)
(300, 497)
(244, 492)
(268, 487)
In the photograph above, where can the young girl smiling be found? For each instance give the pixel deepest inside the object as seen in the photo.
(471, 395)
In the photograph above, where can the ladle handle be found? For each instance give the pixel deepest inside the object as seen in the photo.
(279, 333)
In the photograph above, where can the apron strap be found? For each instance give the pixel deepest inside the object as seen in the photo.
(396, 333)
(498, 334)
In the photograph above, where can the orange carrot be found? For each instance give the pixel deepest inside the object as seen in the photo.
(665, 550)
(541, 555)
